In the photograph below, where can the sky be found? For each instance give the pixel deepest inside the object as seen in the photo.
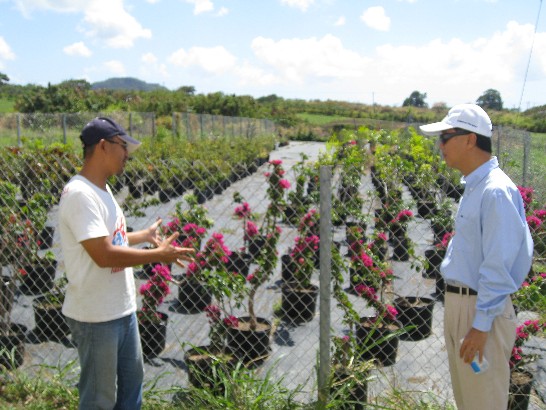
(370, 52)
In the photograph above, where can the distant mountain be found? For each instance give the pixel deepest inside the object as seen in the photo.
(126, 83)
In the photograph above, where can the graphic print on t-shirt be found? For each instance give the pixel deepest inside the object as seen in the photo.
(120, 237)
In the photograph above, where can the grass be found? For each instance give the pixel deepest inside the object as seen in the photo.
(53, 387)
(319, 119)
(6, 105)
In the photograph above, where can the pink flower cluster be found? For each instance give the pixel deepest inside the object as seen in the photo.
(387, 311)
(403, 216)
(231, 321)
(155, 290)
(172, 226)
(243, 211)
(214, 254)
(251, 230)
(445, 240)
(309, 221)
(536, 219)
(523, 332)
(305, 247)
(535, 279)
(527, 196)
(278, 172)
(193, 235)
(214, 314)
(364, 259)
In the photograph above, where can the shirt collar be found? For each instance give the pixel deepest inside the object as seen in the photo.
(472, 179)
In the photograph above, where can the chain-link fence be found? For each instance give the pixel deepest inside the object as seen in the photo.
(17, 129)
(254, 294)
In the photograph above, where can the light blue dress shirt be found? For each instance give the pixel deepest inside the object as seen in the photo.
(492, 249)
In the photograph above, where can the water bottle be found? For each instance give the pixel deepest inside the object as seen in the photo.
(477, 366)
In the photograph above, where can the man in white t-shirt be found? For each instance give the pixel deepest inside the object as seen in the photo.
(100, 303)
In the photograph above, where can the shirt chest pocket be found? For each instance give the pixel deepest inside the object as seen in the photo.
(468, 233)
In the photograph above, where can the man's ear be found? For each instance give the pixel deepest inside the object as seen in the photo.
(472, 139)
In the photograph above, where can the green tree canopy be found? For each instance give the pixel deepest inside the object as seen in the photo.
(490, 99)
(416, 99)
(3, 78)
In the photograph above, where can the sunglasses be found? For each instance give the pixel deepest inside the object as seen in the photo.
(124, 145)
(446, 136)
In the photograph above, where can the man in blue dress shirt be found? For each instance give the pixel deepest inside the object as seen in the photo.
(487, 259)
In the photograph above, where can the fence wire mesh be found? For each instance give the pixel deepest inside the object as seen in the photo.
(252, 295)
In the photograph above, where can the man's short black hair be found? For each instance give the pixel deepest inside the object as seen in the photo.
(484, 143)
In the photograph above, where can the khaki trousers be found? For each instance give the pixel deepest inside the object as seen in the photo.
(489, 390)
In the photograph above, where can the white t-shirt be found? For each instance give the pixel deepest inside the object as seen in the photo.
(93, 294)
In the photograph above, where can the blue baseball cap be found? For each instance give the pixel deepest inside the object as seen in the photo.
(105, 128)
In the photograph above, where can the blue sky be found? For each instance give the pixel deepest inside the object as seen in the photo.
(352, 50)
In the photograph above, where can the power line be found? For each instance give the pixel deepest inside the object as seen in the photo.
(529, 60)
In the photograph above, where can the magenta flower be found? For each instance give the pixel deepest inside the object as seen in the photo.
(243, 211)
(251, 230)
(213, 313)
(231, 321)
(284, 184)
(275, 162)
(154, 292)
(533, 222)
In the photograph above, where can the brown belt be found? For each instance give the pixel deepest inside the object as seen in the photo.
(460, 291)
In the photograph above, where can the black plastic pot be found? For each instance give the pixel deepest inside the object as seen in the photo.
(13, 342)
(416, 312)
(239, 262)
(153, 336)
(250, 346)
(377, 341)
(193, 296)
(39, 278)
(204, 365)
(299, 305)
(521, 382)
(50, 323)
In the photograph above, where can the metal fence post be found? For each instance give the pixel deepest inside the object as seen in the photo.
(64, 128)
(325, 282)
(19, 142)
(188, 129)
(526, 149)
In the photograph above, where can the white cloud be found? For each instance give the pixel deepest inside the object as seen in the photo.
(297, 58)
(201, 6)
(303, 5)
(117, 27)
(151, 69)
(375, 18)
(215, 60)
(464, 70)
(254, 76)
(340, 21)
(5, 52)
(77, 49)
(26, 7)
(222, 12)
(115, 67)
(149, 58)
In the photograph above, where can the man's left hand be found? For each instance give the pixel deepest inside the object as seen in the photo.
(473, 342)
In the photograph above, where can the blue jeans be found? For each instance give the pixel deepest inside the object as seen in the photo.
(111, 363)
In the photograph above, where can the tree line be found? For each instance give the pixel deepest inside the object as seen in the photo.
(79, 96)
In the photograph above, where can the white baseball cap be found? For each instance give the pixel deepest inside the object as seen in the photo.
(470, 117)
